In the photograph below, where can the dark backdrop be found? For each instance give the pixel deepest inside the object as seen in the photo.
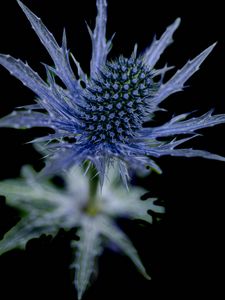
(183, 252)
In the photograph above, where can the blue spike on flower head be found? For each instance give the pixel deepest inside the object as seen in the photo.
(105, 118)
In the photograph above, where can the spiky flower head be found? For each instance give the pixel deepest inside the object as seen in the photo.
(104, 116)
(116, 101)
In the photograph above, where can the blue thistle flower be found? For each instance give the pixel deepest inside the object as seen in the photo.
(105, 117)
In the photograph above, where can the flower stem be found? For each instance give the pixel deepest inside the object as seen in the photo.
(92, 207)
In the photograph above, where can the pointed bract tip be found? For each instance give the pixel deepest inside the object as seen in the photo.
(210, 48)
(101, 2)
(177, 21)
(202, 56)
(20, 3)
(79, 295)
(146, 276)
(173, 27)
(24, 8)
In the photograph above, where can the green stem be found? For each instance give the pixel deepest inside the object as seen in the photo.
(92, 205)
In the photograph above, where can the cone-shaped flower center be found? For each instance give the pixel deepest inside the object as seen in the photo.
(116, 101)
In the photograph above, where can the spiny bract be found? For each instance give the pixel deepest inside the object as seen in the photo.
(103, 116)
(48, 208)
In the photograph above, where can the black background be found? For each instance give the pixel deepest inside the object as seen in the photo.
(183, 253)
